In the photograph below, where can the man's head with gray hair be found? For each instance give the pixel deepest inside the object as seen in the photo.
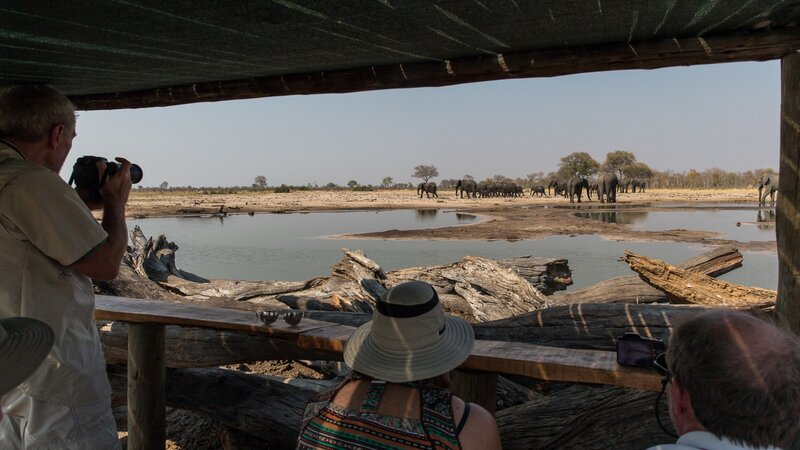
(736, 376)
(29, 112)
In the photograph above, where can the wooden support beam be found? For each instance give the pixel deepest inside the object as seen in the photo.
(787, 223)
(754, 46)
(146, 387)
(475, 387)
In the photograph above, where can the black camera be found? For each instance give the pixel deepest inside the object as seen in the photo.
(638, 351)
(86, 175)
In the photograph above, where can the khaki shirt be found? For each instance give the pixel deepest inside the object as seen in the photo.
(45, 227)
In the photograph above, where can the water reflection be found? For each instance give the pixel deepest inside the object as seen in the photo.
(465, 218)
(426, 215)
(765, 219)
(626, 217)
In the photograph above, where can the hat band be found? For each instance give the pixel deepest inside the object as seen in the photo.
(406, 311)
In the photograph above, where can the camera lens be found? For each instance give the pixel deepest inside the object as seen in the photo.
(136, 173)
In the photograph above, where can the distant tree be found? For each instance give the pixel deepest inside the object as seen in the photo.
(577, 163)
(617, 161)
(639, 170)
(260, 181)
(352, 183)
(425, 172)
(468, 177)
(501, 179)
(387, 182)
(163, 185)
(534, 178)
(331, 185)
(448, 183)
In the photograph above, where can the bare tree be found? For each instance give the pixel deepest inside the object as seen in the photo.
(260, 181)
(425, 172)
(163, 185)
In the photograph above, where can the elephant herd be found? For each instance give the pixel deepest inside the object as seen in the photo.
(474, 189)
(605, 187)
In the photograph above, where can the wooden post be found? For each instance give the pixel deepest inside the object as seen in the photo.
(476, 387)
(146, 386)
(787, 224)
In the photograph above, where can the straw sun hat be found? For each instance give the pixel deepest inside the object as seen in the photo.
(409, 338)
(24, 343)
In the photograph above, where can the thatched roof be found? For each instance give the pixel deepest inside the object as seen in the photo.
(120, 54)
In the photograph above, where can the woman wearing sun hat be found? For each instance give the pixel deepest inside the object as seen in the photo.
(24, 344)
(397, 396)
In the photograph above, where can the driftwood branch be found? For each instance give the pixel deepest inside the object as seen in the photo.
(689, 287)
(632, 289)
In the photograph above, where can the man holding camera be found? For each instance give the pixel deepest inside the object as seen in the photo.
(734, 383)
(51, 249)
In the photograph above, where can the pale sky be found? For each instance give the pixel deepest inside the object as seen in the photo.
(721, 115)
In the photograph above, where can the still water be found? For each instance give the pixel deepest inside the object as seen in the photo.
(301, 246)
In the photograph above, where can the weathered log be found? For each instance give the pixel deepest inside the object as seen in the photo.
(265, 412)
(546, 274)
(130, 283)
(269, 411)
(585, 417)
(156, 259)
(585, 326)
(199, 347)
(632, 289)
(689, 287)
(491, 290)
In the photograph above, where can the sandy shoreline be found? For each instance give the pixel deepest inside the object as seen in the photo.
(502, 218)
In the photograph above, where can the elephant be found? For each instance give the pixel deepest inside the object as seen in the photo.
(607, 184)
(624, 185)
(593, 188)
(538, 190)
(576, 186)
(483, 190)
(767, 186)
(641, 184)
(428, 188)
(559, 187)
(468, 186)
(512, 190)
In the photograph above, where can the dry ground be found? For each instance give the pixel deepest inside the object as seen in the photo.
(503, 218)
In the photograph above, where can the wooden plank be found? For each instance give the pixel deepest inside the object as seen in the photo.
(754, 46)
(174, 313)
(146, 387)
(787, 223)
(559, 364)
(546, 363)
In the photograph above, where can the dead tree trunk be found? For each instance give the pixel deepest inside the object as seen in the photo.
(632, 289)
(688, 287)
(585, 417)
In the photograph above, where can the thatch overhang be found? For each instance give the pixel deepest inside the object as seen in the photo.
(109, 55)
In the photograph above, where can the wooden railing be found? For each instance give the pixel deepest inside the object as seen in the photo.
(146, 355)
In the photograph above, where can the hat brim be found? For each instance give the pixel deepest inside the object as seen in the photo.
(27, 343)
(454, 347)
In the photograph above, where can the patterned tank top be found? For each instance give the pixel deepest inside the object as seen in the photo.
(330, 426)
